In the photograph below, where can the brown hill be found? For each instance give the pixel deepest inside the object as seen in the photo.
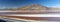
(33, 7)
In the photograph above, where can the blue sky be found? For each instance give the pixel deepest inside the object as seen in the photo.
(19, 3)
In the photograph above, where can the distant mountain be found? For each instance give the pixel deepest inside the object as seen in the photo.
(33, 7)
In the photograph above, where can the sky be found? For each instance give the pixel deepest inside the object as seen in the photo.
(20, 3)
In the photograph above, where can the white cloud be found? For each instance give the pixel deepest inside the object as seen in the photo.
(54, 6)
